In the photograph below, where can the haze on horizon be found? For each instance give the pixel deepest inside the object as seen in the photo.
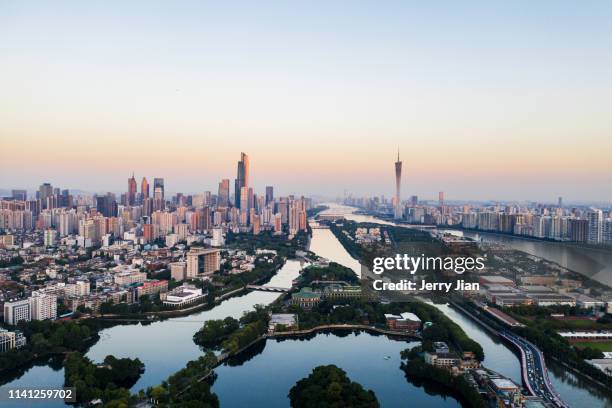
(485, 101)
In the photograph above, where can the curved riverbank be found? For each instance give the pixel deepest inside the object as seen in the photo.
(332, 327)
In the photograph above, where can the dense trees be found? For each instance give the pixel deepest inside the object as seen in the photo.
(187, 387)
(213, 332)
(233, 334)
(362, 312)
(329, 387)
(45, 337)
(417, 371)
(333, 272)
(108, 381)
(268, 240)
(261, 272)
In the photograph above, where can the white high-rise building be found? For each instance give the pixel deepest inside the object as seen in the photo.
(43, 306)
(595, 219)
(607, 231)
(217, 237)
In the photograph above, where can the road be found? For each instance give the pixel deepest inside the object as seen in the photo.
(534, 371)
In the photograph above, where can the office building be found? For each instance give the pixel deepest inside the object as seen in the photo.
(144, 188)
(224, 194)
(269, 194)
(203, 261)
(21, 195)
(16, 311)
(131, 193)
(242, 178)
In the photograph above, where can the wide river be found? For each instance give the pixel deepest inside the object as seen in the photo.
(269, 370)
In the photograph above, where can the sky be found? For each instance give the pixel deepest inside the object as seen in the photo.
(485, 100)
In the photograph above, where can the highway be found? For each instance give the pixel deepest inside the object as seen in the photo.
(534, 371)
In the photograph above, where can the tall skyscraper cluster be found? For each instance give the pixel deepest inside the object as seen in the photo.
(146, 216)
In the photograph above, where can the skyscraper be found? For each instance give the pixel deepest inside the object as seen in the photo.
(159, 202)
(224, 193)
(158, 187)
(242, 177)
(595, 218)
(144, 188)
(398, 183)
(269, 194)
(441, 198)
(45, 191)
(20, 195)
(106, 205)
(244, 199)
(131, 193)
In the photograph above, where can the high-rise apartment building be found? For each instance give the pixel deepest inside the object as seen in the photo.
(578, 230)
(607, 231)
(43, 306)
(595, 219)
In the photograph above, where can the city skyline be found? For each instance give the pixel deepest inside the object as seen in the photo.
(486, 110)
(241, 182)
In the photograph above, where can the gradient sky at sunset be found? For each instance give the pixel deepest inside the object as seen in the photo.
(486, 100)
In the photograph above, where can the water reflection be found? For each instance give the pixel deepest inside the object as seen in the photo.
(269, 376)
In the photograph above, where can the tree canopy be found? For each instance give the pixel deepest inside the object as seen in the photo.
(329, 387)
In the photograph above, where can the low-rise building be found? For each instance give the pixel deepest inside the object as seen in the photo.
(405, 321)
(152, 288)
(183, 295)
(129, 277)
(336, 291)
(306, 298)
(286, 321)
(495, 279)
(512, 299)
(543, 300)
(442, 360)
(11, 339)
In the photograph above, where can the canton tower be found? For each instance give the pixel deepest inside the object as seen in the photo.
(398, 183)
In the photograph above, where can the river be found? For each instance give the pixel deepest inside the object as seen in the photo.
(573, 389)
